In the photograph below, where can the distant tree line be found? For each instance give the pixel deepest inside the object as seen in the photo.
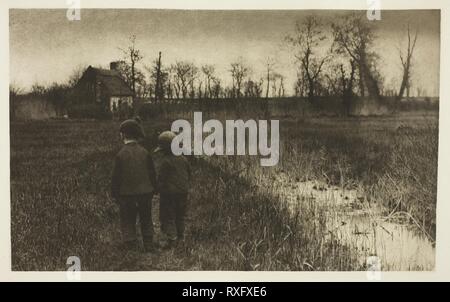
(331, 59)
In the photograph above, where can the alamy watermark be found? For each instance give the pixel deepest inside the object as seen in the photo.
(73, 272)
(374, 11)
(373, 264)
(73, 13)
(229, 140)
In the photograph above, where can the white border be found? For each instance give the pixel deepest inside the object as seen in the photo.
(442, 271)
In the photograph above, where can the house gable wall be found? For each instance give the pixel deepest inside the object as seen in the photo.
(102, 87)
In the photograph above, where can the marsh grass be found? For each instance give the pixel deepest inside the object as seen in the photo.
(60, 204)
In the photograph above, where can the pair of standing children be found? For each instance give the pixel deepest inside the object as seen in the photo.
(135, 181)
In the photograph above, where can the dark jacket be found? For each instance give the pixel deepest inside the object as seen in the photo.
(173, 173)
(134, 172)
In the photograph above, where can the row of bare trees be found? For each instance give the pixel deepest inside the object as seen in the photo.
(345, 63)
(335, 58)
(184, 80)
(332, 59)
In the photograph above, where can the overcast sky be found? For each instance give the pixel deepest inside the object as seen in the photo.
(45, 47)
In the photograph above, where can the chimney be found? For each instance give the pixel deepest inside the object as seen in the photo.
(114, 65)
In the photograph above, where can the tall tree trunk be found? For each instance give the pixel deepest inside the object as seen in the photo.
(133, 79)
(310, 89)
(406, 63)
(362, 86)
(158, 80)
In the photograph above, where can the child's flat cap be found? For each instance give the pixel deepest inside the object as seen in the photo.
(131, 128)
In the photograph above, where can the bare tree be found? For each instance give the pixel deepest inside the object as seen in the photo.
(148, 90)
(172, 83)
(333, 80)
(159, 92)
(253, 89)
(159, 77)
(300, 86)
(347, 81)
(208, 71)
(169, 87)
(347, 85)
(184, 77)
(14, 91)
(258, 87)
(132, 56)
(354, 36)
(341, 78)
(192, 76)
(274, 78)
(192, 85)
(307, 39)
(180, 71)
(38, 89)
(58, 95)
(76, 75)
(281, 91)
(217, 89)
(238, 72)
(270, 63)
(406, 59)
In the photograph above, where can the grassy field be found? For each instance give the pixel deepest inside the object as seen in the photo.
(60, 204)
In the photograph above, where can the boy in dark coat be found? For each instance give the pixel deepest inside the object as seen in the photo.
(133, 185)
(173, 181)
(142, 139)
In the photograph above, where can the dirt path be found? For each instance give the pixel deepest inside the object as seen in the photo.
(162, 258)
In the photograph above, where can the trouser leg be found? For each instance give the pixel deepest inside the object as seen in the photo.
(128, 214)
(145, 218)
(167, 215)
(180, 212)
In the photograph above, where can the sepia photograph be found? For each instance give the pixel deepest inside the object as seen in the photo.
(223, 140)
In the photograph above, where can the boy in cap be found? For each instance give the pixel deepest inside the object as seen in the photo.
(173, 181)
(133, 185)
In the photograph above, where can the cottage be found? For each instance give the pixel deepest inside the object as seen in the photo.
(105, 87)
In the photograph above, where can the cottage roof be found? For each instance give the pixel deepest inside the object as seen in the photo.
(112, 82)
